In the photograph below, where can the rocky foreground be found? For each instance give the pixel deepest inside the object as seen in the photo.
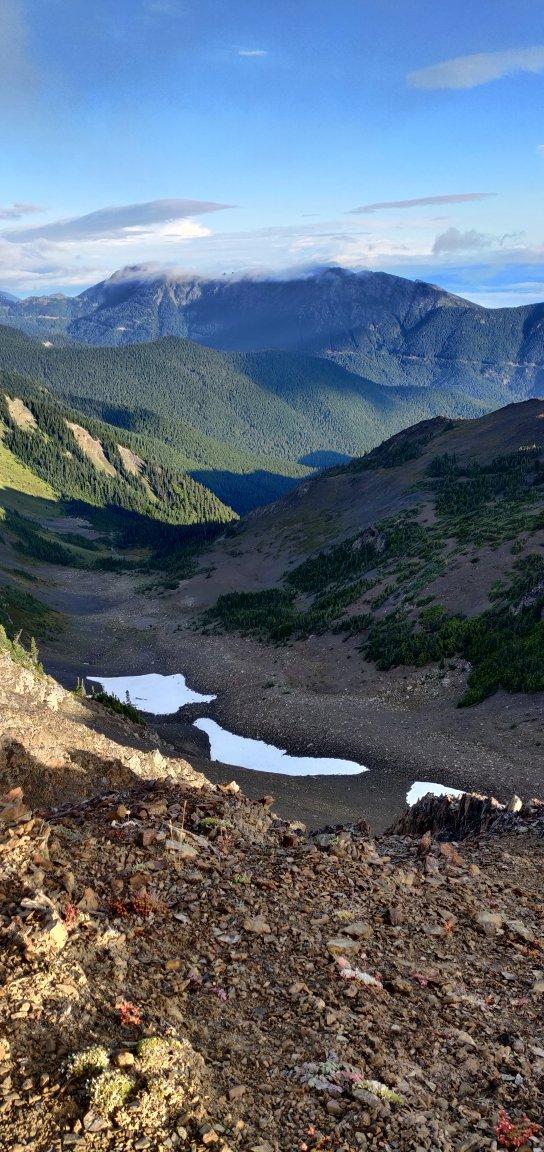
(182, 970)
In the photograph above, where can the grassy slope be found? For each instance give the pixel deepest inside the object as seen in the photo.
(43, 469)
(428, 549)
(17, 482)
(20, 492)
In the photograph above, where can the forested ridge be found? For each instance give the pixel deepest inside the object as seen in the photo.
(209, 420)
(242, 423)
(51, 450)
(385, 328)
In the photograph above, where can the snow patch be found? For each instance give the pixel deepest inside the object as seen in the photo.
(424, 787)
(242, 752)
(161, 695)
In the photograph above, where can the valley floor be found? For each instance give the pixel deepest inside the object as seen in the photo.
(317, 697)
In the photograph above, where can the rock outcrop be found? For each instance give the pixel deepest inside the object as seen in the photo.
(456, 817)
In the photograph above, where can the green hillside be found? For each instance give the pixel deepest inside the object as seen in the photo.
(228, 414)
(210, 420)
(78, 493)
(443, 560)
(173, 379)
(349, 413)
(149, 486)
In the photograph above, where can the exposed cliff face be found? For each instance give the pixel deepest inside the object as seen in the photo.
(182, 970)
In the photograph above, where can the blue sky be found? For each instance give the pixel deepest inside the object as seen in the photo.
(232, 136)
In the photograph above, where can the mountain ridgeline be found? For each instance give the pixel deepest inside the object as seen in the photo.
(226, 394)
(385, 328)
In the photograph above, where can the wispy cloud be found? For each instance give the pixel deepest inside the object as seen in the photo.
(423, 201)
(123, 221)
(16, 210)
(480, 68)
(406, 243)
(252, 52)
(84, 249)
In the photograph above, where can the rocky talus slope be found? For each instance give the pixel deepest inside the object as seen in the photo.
(180, 969)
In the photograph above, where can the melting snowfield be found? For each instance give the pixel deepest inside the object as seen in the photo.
(161, 695)
(423, 787)
(164, 695)
(242, 752)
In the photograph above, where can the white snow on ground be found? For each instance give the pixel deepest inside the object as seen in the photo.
(242, 752)
(161, 695)
(423, 787)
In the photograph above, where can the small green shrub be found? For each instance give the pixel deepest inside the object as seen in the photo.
(109, 1091)
(91, 1062)
(154, 1055)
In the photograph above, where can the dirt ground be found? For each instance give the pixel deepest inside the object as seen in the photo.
(317, 697)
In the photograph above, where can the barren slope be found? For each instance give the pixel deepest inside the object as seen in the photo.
(181, 970)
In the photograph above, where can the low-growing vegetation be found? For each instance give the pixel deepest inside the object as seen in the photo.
(23, 615)
(504, 645)
(118, 707)
(400, 558)
(20, 655)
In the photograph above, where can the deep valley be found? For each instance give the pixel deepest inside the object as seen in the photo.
(387, 611)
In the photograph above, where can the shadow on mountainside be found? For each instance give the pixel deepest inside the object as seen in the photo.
(53, 781)
(244, 490)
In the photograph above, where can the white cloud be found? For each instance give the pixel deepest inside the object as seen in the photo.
(80, 251)
(116, 222)
(401, 243)
(423, 201)
(16, 210)
(170, 232)
(480, 68)
(452, 240)
(252, 52)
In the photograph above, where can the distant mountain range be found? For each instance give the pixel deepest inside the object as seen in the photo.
(250, 384)
(390, 330)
